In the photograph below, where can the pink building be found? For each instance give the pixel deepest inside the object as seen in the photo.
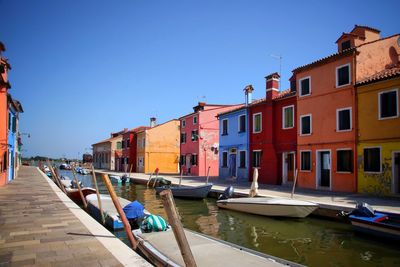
(200, 139)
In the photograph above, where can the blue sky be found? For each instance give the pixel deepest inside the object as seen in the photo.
(83, 69)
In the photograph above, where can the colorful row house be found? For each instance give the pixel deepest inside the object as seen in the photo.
(273, 134)
(157, 147)
(199, 137)
(10, 141)
(378, 150)
(107, 154)
(129, 147)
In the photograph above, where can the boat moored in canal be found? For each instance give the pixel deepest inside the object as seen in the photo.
(191, 192)
(124, 179)
(162, 249)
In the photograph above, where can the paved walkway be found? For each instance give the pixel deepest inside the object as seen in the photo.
(326, 199)
(41, 226)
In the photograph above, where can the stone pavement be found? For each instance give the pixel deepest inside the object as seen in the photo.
(41, 226)
(325, 199)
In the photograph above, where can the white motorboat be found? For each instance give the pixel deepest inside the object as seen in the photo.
(278, 207)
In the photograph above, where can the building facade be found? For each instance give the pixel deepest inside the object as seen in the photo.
(272, 142)
(199, 137)
(157, 147)
(233, 141)
(4, 86)
(378, 150)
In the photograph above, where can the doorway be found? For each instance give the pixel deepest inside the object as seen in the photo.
(396, 172)
(324, 169)
(288, 165)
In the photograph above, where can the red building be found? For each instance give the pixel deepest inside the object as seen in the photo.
(273, 136)
(129, 147)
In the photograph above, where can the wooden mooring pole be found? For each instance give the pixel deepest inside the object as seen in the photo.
(173, 218)
(103, 220)
(79, 188)
(56, 178)
(121, 213)
(294, 184)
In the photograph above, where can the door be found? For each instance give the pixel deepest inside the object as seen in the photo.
(396, 172)
(325, 168)
(232, 165)
(290, 167)
(188, 163)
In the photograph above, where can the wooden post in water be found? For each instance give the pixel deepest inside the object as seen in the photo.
(79, 188)
(148, 182)
(173, 218)
(121, 213)
(130, 170)
(103, 220)
(180, 178)
(208, 174)
(56, 178)
(294, 184)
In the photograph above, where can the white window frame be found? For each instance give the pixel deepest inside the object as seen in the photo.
(301, 163)
(195, 120)
(300, 89)
(198, 136)
(351, 119)
(283, 117)
(343, 149)
(245, 159)
(256, 150)
(222, 159)
(337, 76)
(139, 142)
(379, 104)
(380, 159)
(222, 127)
(301, 124)
(254, 125)
(245, 120)
(183, 123)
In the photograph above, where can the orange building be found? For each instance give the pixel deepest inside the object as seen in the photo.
(4, 86)
(158, 147)
(327, 108)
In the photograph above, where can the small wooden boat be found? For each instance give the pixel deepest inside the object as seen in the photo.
(73, 193)
(279, 207)
(381, 225)
(194, 192)
(162, 249)
(112, 219)
(119, 179)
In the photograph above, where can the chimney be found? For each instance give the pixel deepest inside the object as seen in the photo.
(247, 94)
(200, 106)
(153, 122)
(272, 85)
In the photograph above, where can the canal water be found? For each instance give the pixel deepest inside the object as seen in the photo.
(310, 241)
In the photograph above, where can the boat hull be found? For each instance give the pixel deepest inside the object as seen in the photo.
(269, 206)
(387, 229)
(74, 195)
(193, 192)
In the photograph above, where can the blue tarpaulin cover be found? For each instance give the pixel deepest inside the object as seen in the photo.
(134, 210)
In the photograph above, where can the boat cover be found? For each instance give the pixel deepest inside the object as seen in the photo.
(134, 210)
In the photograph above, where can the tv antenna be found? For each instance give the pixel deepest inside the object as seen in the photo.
(279, 56)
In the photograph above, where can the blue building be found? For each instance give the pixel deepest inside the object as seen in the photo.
(234, 141)
(14, 108)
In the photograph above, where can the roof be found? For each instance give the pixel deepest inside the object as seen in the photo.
(232, 110)
(217, 106)
(149, 128)
(367, 28)
(284, 94)
(379, 76)
(106, 140)
(18, 106)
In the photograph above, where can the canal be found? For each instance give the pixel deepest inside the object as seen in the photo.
(310, 241)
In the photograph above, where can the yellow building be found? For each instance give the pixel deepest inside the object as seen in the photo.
(378, 150)
(158, 147)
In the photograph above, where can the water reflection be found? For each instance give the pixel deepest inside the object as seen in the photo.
(310, 241)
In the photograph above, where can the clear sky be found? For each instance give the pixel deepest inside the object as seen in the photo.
(83, 69)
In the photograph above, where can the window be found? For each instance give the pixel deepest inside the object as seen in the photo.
(5, 161)
(14, 124)
(183, 123)
(305, 125)
(127, 143)
(343, 119)
(183, 138)
(123, 144)
(195, 120)
(182, 160)
(193, 159)
(256, 159)
(242, 123)
(225, 127)
(372, 159)
(242, 159)
(224, 162)
(305, 86)
(288, 117)
(257, 124)
(144, 142)
(388, 104)
(195, 135)
(138, 142)
(119, 145)
(9, 121)
(343, 75)
(305, 160)
(344, 161)
(346, 45)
